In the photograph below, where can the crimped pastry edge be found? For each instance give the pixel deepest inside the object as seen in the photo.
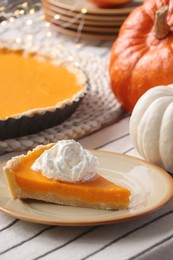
(8, 171)
(17, 159)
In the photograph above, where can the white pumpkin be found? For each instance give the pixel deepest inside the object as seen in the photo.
(151, 126)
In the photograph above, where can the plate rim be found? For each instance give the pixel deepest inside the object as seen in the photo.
(126, 8)
(110, 220)
(87, 16)
(88, 28)
(88, 21)
(84, 35)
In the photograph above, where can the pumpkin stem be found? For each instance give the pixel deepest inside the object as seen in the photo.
(161, 29)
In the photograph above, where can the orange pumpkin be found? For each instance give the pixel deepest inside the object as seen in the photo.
(142, 55)
(109, 3)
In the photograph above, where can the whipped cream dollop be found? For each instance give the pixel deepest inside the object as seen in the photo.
(67, 161)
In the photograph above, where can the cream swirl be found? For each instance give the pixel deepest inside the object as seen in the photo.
(67, 161)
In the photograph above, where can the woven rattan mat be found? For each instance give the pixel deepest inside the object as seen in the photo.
(99, 107)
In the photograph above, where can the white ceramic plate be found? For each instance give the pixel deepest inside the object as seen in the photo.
(151, 188)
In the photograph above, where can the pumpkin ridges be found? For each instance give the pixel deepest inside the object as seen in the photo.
(151, 126)
(137, 18)
(151, 129)
(142, 69)
(165, 138)
(143, 83)
(117, 85)
(158, 61)
(141, 107)
(125, 44)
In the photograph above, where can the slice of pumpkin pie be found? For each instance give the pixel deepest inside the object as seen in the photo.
(66, 174)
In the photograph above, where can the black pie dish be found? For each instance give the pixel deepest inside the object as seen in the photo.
(27, 125)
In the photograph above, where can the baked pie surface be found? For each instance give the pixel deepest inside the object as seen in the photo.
(26, 183)
(33, 85)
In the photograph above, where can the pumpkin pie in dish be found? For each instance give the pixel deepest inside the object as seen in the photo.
(37, 92)
(66, 174)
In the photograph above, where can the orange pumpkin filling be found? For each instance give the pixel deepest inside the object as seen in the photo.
(98, 191)
(30, 83)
